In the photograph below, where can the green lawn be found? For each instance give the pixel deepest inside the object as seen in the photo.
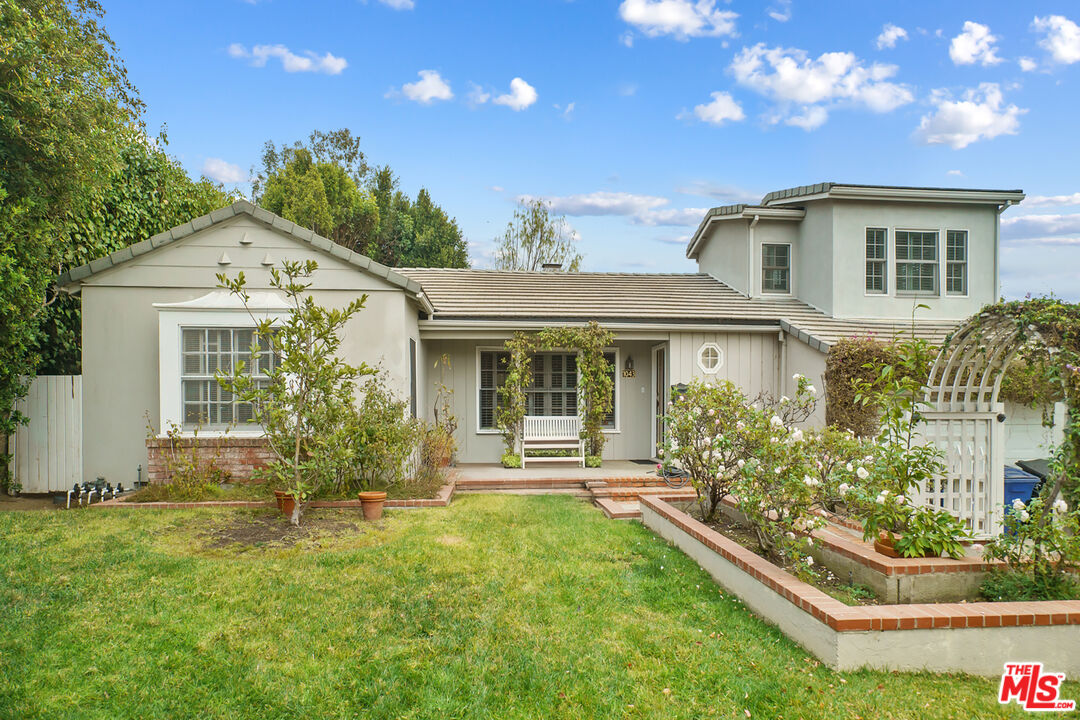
(496, 607)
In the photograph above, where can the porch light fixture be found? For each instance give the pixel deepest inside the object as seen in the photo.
(628, 367)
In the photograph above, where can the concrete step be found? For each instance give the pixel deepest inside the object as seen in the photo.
(615, 510)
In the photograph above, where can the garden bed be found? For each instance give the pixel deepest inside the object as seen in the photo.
(842, 551)
(966, 637)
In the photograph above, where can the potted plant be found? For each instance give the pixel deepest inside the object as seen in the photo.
(900, 529)
(372, 502)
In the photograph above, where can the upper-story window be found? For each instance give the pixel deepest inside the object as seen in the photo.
(775, 268)
(956, 255)
(917, 261)
(876, 260)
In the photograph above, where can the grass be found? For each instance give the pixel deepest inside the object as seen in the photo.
(496, 607)
(425, 486)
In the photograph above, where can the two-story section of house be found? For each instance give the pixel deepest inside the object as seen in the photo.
(861, 251)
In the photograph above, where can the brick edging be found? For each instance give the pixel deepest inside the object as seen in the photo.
(847, 618)
(441, 499)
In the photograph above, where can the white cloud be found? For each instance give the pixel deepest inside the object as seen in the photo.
(980, 115)
(429, 88)
(627, 39)
(1063, 229)
(674, 239)
(399, 4)
(627, 89)
(496, 188)
(223, 172)
(1061, 38)
(682, 19)
(521, 95)
(974, 45)
(290, 61)
(601, 203)
(567, 111)
(1027, 64)
(956, 173)
(722, 109)
(1052, 200)
(781, 12)
(805, 87)
(640, 209)
(477, 95)
(688, 217)
(889, 35)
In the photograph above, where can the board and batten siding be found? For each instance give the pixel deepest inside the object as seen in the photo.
(48, 449)
(751, 359)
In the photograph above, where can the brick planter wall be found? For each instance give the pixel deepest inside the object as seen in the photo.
(238, 456)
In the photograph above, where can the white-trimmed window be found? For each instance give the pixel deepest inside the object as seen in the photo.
(775, 268)
(710, 358)
(877, 260)
(207, 351)
(956, 262)
(917, 261)
(553, 390)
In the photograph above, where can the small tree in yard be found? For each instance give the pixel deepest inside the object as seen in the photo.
(301, 399)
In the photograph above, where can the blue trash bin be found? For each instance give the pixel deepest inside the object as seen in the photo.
(1019, 485)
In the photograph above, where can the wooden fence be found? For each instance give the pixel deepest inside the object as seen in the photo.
(48, 449)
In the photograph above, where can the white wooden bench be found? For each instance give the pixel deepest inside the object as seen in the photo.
(541, 432)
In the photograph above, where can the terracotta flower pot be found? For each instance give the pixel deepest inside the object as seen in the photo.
(279, 496)
(288, 504)
(372, 502)
(884, 545)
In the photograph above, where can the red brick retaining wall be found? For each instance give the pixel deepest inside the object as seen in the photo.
(237, 456)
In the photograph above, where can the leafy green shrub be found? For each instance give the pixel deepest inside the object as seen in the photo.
(511, 460)
(849, 361)
(1040, 545)
(593, 461)
(1011, 586)
(383, 437)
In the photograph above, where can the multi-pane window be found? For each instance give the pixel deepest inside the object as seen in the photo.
(493, 365)
(207, 351)
(876, 260)
(917, 261)
(775, 268)
(553, 390)
(956, 256)
(609, 419)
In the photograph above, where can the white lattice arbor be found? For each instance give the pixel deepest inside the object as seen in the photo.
(965, 420)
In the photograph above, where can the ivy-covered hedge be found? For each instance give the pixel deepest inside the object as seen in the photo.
(847, 363)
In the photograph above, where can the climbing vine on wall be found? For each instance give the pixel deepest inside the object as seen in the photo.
(595, 383)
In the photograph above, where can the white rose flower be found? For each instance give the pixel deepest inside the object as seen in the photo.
(775, 421)
(785, 399)
(849, 468)
(791, 535)
(741, 462)
(880, 500)
(711, 412)
(1018, 504)
(797, 377)
(901, 499)
(797, 435)
(1061, 506)
(844, 487)
(809, 560)
(740, 425)
(863, 473)
(778, 469)
(811, 389)
(1025, 516)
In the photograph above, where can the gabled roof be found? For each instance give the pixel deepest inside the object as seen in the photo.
(739, 211)
(240, 207)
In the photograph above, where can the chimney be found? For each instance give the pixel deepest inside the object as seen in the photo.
(551, 267)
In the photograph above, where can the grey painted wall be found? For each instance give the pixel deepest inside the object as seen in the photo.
(723, 253)
(120, 330)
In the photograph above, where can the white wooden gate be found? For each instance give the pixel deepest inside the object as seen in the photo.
(973, 443)
(48, 450)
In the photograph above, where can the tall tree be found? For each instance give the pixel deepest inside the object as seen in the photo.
(327, 185)
(535, 237)
(64, 97)
(147, 193)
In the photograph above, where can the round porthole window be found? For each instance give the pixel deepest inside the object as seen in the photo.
(710, 358)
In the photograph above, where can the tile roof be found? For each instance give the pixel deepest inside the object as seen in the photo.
(627, 297)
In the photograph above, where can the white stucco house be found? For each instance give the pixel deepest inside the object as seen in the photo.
(777, 284)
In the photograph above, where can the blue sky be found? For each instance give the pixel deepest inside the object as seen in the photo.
(633, 116)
